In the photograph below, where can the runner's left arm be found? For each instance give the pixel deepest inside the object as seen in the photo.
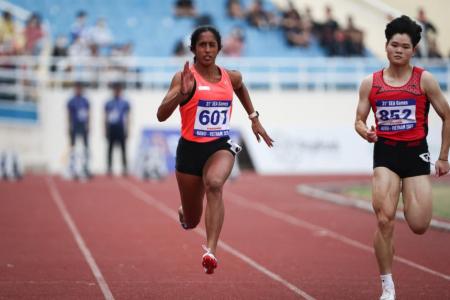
(242, 93)
(442, 108)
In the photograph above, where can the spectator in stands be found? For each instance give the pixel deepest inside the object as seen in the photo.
(185, 8)
(203, 20)
(433, 50)
(260, 18)
(34, 35)
(117, 123)
(59, 52)
(11, 39)
(340, 44)
(234, 43)
(99, 36)
(78, 115)
(295, 32)
(328, 28)
(234, 9)
(79, 27)
(429, 34)
(427, 26)
(355, 38)
(79, 46)
(180, 49)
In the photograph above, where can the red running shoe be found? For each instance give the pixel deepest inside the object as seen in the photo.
(209, 261)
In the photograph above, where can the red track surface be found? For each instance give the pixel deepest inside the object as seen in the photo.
(277, 244)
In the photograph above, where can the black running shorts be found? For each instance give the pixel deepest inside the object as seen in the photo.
(406, 159)
(192, 156)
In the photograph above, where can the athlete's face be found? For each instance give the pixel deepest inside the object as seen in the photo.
(206, 48)
(399, 49)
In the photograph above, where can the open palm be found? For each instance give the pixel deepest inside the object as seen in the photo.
(187, 79)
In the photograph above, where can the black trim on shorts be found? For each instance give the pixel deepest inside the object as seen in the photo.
(192, 156)
(406, 159)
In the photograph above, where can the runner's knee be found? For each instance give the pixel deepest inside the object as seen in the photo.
(419, 227)
(213, 184)
(385, 219)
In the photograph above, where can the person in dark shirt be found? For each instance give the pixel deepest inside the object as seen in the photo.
(117, 125)
(78, 109)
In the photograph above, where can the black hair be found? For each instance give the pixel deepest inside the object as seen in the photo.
(199, 30)
(403, 24)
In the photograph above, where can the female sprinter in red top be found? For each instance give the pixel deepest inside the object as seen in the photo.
(400, 97)
(205, 153)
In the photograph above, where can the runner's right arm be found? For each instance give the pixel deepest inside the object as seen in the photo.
(180, 88)
(362, 112)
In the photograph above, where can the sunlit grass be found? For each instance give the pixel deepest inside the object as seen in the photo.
(441, 197)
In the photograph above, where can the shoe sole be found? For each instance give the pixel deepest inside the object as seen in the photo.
(209, 264)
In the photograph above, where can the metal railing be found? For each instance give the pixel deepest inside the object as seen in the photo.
(22, 77)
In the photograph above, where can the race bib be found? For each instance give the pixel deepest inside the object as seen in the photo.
(82, 114)
(212, 118)
(113, 116)
(396, 115)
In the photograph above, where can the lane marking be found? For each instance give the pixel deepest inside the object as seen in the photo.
(148, 199)
(57, 198)
(271, 212)
(361, 204)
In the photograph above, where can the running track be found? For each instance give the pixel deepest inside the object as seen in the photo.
(115, 238)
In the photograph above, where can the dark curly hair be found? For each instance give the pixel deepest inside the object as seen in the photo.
(199, 30)
(403, 24)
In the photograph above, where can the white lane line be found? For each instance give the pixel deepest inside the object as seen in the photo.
(142, 195)
(361, 204)
(267, 210)
(56, 196)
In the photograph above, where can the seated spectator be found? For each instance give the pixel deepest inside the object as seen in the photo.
(290, 18)
(185, 8)
(59, 52)
(355, 38)
(204, 20)
(295, 32)
(11, 39)
(339, 45)
(79, 27)
(79, 47)
(234, 9)
(258, 17)
(99, 36)
(328, 29)
(34, 35)
(234, 43)
(180, 49)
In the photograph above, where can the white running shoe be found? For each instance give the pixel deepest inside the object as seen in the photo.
(388, 294)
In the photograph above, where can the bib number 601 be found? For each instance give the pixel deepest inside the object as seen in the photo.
(212, 117)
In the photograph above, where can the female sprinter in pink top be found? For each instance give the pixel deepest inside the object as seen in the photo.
(205, 153)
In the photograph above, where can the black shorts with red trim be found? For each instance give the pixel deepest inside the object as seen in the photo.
(406, 159)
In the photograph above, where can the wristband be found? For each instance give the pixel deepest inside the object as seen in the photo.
(442, 159)
(253, 115)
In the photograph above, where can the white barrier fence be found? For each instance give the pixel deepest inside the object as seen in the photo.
(22, 76)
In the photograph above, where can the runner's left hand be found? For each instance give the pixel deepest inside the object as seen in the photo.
(442, 167)
(259, 132)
